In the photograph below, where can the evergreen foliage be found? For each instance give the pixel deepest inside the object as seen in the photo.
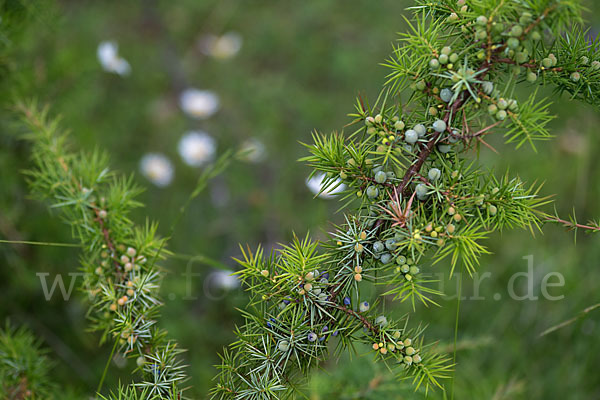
(413, 196)
(413, 193)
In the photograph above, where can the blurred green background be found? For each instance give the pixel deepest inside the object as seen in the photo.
(299, 69)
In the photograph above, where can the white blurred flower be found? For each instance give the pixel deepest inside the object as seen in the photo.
(199, 103)
(221, 47)
(253, 150)
(315, 184)
(197, 148)
(157, 168)
(108, 55)
(224, 280)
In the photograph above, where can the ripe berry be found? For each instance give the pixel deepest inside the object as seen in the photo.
(364, 306)
(420, 129)
(411, 136)
(378, 247)
(446, 95)
(439, 126)
(347, 301)
(380, 177)
(311, 337)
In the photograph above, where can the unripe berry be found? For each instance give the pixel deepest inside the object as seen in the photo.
(124, 259)
(446, 95)
(411, 136)
(112, 307)
(122, 300)
(131, 252)
(439, 126)
(343, 175)
(284, 346)
(432, 111)
(390, 244)
(409, 351)
(536, 36)
(480, 34)
(358, 248)
(596, 65)
(407, 342)
(357, 277)
(453, 57)
(531, 77)
(446, 50)
(414, 270)
(434, 174)
(407, 360)
(481, 20)
(358, 269)
(513, 43)
(102, 214)
(372, 192)
(420, 85)
(450, 228)
(380, 177)
(416, 358)
(434, 63)
(264, 273)
(516, 31)
(492, 209)
(99, 271)
(420, 129)
(443, 59)
(381, 321)
(386, 258)
(547, 63)
(521, 57)
(492, 109)
(364, 306)
(502, 104)
(584, 60)
(378, 118)
(444, 148)
(501, 115)
(128, 267)
(453, 17)
(378, 247)
(575, 76)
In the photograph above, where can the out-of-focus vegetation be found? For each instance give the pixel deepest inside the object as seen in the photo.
(299, 69)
